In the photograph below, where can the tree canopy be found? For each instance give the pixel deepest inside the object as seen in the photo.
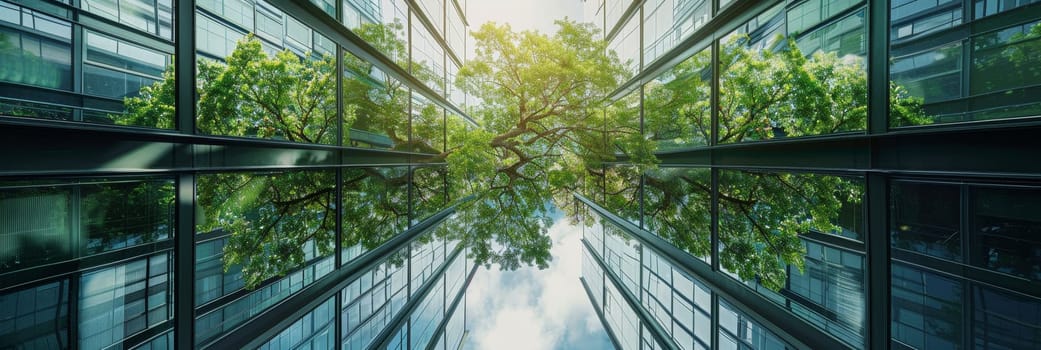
(546, 128)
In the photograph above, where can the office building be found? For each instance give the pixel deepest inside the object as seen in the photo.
(833, 174)
(230, 174)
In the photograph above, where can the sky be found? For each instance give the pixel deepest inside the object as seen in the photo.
(522, 14)
(535, 309)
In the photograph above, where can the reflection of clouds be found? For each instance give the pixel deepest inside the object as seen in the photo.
(533, 309)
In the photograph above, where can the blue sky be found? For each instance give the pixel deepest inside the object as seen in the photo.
(535, 309)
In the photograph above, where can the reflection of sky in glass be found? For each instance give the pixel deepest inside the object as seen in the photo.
(535, 309)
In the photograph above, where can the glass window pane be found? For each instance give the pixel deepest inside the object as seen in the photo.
(274, 83)
(49, 222)
(1006, 223)
(775, 84)
(112, 305)
(36, 50)
(376, 107)
(676, 109)
(926, 309)
(375, 202)
(36, 317)
(667, 22)
(925, 219)
(677, 208)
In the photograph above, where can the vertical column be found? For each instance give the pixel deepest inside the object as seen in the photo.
(74, 311)
(712, 141)
(184, 237)
(878, 269)
(338, 326)
(184, 263)
(79, 46)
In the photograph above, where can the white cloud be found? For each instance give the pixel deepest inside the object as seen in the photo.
(533, 309)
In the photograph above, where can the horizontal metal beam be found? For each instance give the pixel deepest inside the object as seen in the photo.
(47, 148)
(991, 150)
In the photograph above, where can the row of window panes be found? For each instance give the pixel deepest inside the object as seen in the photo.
(930, 86)
(1000, 235)
(114, 302)
(736, 330)
(754, 210)
(39, 48)
(44, 223)
(1004, 224)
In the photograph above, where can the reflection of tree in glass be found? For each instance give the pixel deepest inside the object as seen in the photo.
(538, 94)
(677, 112)
(121, 214)
(542, 135)
(379, 102)
(762, 214)
(270, 218)
(375, 204)
(766, 94)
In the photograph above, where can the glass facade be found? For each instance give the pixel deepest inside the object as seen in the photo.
(829, 174)
(237, 174)
(292, 204)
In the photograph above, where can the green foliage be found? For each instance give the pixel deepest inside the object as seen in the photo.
(153, 106)
(271, 217)
(545, 131)
(284, 96)
(540, 96)
(121, 211)
(763, 214)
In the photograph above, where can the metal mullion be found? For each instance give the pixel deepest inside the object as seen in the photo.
(714, 317)
(74, 311)
(338, 325)
(878, 262)
(79, 47)
(184, 236)
(184, 263)
(713, 140)
(877, 242)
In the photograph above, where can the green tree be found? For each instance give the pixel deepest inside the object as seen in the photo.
(539, 96)
(545, 130)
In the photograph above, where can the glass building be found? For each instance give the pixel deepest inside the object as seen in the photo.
(230, 174)
(832, 174)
